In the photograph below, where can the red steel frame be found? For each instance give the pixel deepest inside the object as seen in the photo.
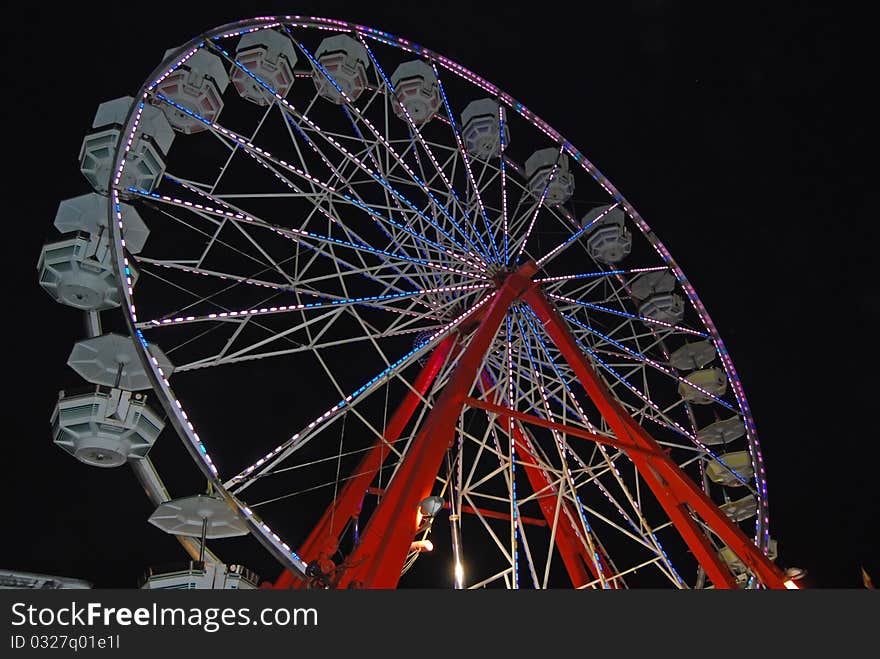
(378, 558)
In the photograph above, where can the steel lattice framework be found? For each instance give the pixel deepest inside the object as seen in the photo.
(449, 306)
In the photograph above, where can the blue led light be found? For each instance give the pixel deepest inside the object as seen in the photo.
(626, 314)
(466, 165)
(514, 509)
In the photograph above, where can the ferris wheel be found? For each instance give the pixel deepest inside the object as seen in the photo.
(401, 325)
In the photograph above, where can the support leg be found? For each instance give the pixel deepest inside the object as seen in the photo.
(677, 493)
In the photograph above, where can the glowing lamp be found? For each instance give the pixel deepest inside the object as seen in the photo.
(430, 506)
(422, 546)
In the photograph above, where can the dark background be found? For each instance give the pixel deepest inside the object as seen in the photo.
(739, 134)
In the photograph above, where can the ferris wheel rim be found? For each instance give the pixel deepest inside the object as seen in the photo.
(173, 407)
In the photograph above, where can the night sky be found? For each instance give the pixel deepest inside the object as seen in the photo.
(739, 137)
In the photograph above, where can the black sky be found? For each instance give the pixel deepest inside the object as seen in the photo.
(739, 135)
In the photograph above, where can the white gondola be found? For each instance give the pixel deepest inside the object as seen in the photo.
(105, 427)
(722, 432)
(146, 156)
(112, 360)
(664, 307)
(690, 356)
(482, 126)
(346, 61)
(737, 566)
(734, 563)
(609, 241)
(76, 271)
(197, 85)
(740, 509)
(269, 56)
(649, 283)
(731, 469)
(88, 213)
(539, 166)
(205, 517)
(697, 386)
(416, 90)
(199, 516)
(200, 575)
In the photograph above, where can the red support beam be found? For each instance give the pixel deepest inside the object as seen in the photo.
(492, 514)
(552, 425)
(377, 561)
(673, 488)
(324, 538)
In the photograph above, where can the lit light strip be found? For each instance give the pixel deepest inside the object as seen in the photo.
(610, 463)
(264, 284)
(128, 144)
(624, 381)
(174, 67)
(640, 395)
(532, 319)
(668, 423)
(643, 358)
(478, 264)
(485, 85)
(575, 236)
(248, 145)
(558, 373)
(192, 435)
(540, 204)
(733, 378)
(182, 320)
(644, 319)
(503, 183)
(387, 38)
(601, 273)
(514, 510)
(578, 157)
(344, 264)
(467, 167)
